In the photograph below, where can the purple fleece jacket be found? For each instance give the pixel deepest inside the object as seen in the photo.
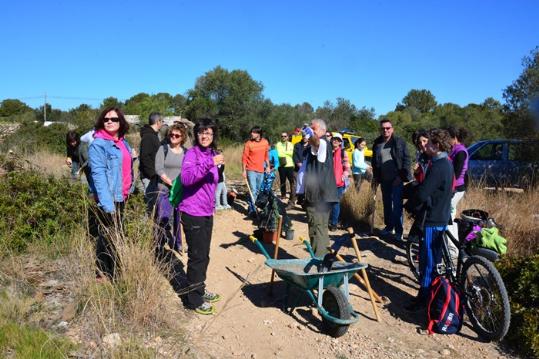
(199, 180)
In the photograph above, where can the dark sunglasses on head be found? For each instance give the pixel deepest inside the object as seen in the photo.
(111, 119)
(175, 135)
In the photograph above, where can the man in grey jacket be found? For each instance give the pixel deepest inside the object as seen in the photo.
(391, 168)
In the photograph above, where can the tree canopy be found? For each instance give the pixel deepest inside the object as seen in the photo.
(236, 101)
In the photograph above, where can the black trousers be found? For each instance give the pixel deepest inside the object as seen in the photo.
(287, 173)
(198, 237)
(103, 226)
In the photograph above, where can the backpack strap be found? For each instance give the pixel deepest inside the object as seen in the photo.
(165, 150)
(433, 294)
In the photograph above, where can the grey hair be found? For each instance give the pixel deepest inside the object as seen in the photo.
(320, 123)
(154, 117)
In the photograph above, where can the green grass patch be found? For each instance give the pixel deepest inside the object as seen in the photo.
(23, 341)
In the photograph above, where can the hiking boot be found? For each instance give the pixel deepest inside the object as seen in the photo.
(205, 309)
(210, 297)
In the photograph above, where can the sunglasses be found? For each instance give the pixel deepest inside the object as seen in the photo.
(284, 136)
(111, 119)
(386, 128)
(175, 135)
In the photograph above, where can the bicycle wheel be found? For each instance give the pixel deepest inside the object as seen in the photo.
(337, 306)
(412, 255)
(485, 298)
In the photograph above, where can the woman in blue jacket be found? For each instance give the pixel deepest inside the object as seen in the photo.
(111, 165)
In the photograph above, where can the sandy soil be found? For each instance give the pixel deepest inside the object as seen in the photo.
(250, 323)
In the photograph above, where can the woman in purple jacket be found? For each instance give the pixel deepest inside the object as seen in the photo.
(199, 179)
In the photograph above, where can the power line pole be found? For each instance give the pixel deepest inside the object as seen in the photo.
(45, 109)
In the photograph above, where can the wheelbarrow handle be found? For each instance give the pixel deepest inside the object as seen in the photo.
(308, 245)
(260, 246)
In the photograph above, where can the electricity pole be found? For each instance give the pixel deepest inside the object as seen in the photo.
(45, 109)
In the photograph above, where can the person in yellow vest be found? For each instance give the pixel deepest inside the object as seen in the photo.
(285, 150)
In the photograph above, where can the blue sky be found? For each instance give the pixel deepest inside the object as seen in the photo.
(370, 52)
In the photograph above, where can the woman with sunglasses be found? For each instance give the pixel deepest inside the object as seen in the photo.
(168, 164)
(111, 165)
(199, 176)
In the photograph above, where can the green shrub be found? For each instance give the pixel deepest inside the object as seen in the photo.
(32, 137)
(34, 207)
(521, 278)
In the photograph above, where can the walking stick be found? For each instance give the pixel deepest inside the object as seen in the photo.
(276, 251)
(365, 280)
(368, 284)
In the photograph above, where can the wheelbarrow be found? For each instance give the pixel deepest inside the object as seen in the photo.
(328, 290)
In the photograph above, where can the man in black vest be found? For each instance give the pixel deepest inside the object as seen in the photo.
(320, 187)
(149, 144)
(391, 168)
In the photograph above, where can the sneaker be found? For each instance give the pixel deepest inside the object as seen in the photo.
(210, 297)
(227, 207)
(218, 208)
(205, 309)
(398, 237)
(332, 228)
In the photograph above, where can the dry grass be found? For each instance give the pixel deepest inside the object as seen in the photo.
(49, 163)
(233, 161)
(140, 300)
(357, 206)
(517, 214)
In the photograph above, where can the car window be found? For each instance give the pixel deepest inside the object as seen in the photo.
(489, 152)
(524, 151)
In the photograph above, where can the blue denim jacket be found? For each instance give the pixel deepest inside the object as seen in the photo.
(105, 160)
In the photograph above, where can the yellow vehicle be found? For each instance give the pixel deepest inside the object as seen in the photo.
(348, 143)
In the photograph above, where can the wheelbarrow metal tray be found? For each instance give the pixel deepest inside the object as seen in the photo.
(304, 272)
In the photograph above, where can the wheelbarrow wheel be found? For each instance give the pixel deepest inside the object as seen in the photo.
(335, 303)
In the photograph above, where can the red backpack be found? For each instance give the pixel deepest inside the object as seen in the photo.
(445, 309)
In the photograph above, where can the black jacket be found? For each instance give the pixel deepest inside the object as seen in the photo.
(149, 144)
(436, 192)
(399, 152)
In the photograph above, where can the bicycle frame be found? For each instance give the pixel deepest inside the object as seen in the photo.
(450, 273)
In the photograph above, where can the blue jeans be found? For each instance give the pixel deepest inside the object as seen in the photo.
(255, 181)
(220, 195)
(336, 208)
(392, 200)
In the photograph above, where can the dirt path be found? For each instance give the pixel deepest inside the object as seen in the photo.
(250, 323)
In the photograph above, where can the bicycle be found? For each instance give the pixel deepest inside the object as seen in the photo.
(483, 292)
